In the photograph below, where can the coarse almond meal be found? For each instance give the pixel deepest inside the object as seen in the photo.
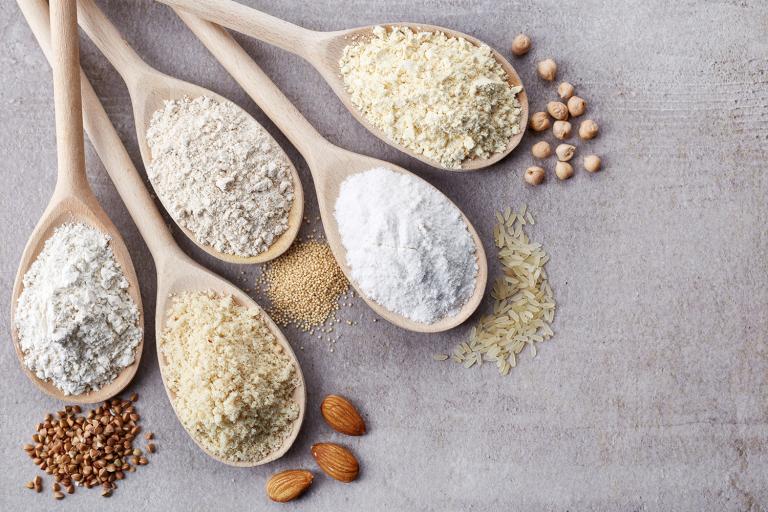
(523, 306)
(232, 381)
(440, 96)
(88, 450)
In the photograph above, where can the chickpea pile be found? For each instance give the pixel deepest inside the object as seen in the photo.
(560, 117)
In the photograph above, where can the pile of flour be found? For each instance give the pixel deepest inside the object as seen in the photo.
(407, 245)
(440, 96)
(77, 324)
(220, 175)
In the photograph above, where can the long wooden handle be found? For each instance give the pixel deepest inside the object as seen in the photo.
(251, 22)
(110, 42)
(66, 95)
(258, 86)
(111, 150)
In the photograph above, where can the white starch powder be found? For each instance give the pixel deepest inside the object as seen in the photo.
(220, 174)
(77, 324)
(407, 245)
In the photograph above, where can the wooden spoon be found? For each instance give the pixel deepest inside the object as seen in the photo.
(330, 165)
(324, 50)
(149, 89)
(176, 272)
(72, 200)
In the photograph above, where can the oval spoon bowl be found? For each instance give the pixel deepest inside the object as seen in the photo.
(333, 45)
(189, 276)
(65, 211)
(327, 194)
(324, 50)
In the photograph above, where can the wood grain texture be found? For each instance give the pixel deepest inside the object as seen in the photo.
(652, 394)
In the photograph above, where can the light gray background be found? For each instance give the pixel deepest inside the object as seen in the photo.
(652, 394)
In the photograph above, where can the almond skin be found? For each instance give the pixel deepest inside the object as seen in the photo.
(336, 461)
(342, 416)
(288, 485)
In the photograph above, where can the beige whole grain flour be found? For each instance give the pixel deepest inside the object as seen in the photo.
(232, 382)
(442, 97)
(220, 174)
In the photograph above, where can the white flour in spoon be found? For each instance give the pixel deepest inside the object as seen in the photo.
(77, 324)
(408, 247)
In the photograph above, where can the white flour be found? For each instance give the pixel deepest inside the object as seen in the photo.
(77, 324)
(220, 175)
(407, 246)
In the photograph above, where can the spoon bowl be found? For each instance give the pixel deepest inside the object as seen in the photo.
(149, 89)
(82, 210)
(339, 164)
(330, 165)
(187, 276)
(176, 272)
(324, 50)
(72, 200)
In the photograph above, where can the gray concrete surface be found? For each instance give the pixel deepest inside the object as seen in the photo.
(652, 395)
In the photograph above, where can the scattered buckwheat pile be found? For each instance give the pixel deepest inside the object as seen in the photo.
(523, 306)
(96, 449)
(558, 115)
(305, 287)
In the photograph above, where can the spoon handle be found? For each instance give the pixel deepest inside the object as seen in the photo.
(246, 20)
(66, 94)
(259, 87)
(110, 148)
(111, 43)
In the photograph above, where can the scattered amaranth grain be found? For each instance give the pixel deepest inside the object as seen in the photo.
(304, 285)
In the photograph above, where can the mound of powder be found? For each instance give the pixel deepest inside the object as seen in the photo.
(77, 324)
(440, 96)
(220, 175)
(232, 381)
(408, 247)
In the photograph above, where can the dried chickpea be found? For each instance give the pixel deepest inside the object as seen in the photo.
(577, 106)
(547, 69)
(521, 44)
(534, 175)
(557, 110)
(588, 129)
(565, 91)
(539, 121)
(592, 163)
(541, 149)
(565, 152)
(563, 170)
(561, 129)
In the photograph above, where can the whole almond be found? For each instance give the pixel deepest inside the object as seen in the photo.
(336, 461)
(288, 485)
(342, 415)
